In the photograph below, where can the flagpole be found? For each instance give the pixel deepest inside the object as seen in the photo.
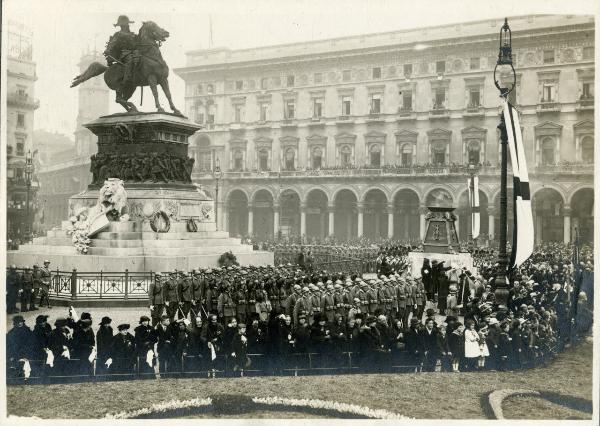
(501, 292)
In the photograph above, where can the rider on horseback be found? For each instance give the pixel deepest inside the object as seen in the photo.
(121, 47)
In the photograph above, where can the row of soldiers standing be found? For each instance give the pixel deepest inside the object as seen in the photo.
(29, 287)
(255, 292)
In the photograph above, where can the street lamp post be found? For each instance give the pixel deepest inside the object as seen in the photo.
(217, 174)
(504, 59)
(28, 178)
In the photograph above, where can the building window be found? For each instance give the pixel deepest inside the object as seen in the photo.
(238, 160)
(239, 85)
(290, 155)
(199, 89)
(199, 117)
(548, 92)
(317, 108)
(263, 160)
(587, 149)
(474, 63)
(375, 104)
(473, 152)
(317, 158)
(9, 150)
(439, 154)
(204, 158)
(375, 155)
(238, 113)
(548, 150)
(474, 97)
(406, 155)
(407, 101)
(440, 67)
(20, 120)
(408, 69)
(20, 148)
(587, 90)
(289, 109)
(346, 156)
(290, 80)
(264, 111)
(588, 53)
(210, 88)
(210, 119)
(346, 105)
(346, 75)
(318, 78)
(377, 72)
(440, 98)
(263, 82)
(21, 91)
(19, 174)
(549, 56)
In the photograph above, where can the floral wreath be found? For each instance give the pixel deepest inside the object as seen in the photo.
(154, 222)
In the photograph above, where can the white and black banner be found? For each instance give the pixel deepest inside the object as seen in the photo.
(523, 231)
(473, 184)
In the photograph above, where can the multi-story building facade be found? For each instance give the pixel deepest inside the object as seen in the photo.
(20, 107)
(356, 136)
(64, 175)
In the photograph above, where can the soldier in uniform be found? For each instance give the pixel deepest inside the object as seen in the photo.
(303, 305)
(172, 296)
(156, 298)
(122, 47)
(198, 283)
(225, 305)
(46, 277)
(291, 300)
(13, 287)
(329, 307)
(373, 302)
(27, 303)
(186, 292)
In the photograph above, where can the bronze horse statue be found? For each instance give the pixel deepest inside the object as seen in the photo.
(151, 71)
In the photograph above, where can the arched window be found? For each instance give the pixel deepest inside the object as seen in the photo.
(263, 160)
(587, 149)
(238, 160)
(290, 154)
(375, 155)
(473, 152)
(346, 155)
(317, 158)
(548, 147)
(407, 153)
(439, 154)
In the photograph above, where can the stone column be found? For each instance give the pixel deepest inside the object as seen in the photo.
(331, 210)
(361, 208)
(302, 219)
(492, 224)
(390, 211)
(422, 212)
(250, 220)
(225, 215)
(275, 220)
(567, 225)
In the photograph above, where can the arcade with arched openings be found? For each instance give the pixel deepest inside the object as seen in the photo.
(317, 217)
(375, 214)
(582, 215)
(237, 213)
(463, 211)
(406, 215)
(289, 220)
(262, 209)
(548, 215)
(346, 215)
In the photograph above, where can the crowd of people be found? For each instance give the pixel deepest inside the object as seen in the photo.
(445, 319)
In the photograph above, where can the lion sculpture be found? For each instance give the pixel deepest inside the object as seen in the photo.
(112, 199)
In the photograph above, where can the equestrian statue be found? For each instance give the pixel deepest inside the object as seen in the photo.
(133, 60)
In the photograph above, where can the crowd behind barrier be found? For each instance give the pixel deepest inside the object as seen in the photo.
(288, 320)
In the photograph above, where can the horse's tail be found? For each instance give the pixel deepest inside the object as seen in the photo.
(95, 69)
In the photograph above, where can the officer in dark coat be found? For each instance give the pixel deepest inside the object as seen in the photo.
(83, 345)
(427, 278)
(123, 353)
(156, 298)
(13, 286)
(186, 292)
(172, 296)
(104, 337)
(144, 342)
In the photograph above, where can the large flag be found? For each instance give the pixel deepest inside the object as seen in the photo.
(523, 237)
(473, 184)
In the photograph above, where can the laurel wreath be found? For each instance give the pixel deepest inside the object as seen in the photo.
(154, 222)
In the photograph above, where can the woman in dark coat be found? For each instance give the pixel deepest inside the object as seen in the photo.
(144, 342)
(122, 353)
(456, 345)
(104, 337)
(427, 278)
(83, 346)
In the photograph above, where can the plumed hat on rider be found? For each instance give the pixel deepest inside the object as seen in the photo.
(123, 20)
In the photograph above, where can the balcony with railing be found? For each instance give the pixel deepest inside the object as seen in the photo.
(22, 100)
(439, 110)
(565, 167)
(547, 106)
(406, 113)
(474, 110)
(585, 103)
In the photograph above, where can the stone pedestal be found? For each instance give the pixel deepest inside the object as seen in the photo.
(148, 152)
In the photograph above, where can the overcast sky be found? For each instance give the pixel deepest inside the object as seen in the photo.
(64, 29)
